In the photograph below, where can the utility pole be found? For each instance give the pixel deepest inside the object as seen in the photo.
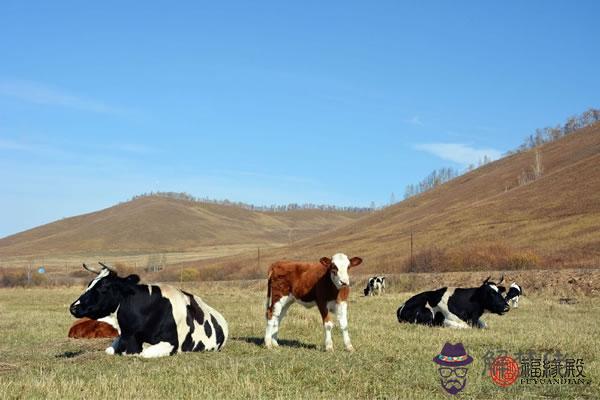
(258, 259)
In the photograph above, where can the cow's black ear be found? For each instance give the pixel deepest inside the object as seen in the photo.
(501, 289)
(133, 279)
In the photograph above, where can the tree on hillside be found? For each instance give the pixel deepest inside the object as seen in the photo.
(434, 179)
(538, 169)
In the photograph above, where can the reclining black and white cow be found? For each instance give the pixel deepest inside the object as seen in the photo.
(512, 296)
(375, 283)
(152, 320)
(454, 307)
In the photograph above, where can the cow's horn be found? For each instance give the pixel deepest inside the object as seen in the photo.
(501, 279)
(90, 269)
(107, 267)
(487, 279)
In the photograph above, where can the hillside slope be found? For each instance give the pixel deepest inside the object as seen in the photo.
(555, 218)
(158, 224)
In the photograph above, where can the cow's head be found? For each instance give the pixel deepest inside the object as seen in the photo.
(490, 297)
(338, 266)
(103, 294)
(514, 291)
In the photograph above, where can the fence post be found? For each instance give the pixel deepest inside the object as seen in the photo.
(258, 259)
(412, 260)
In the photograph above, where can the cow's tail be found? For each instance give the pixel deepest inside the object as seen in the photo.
(269, 295)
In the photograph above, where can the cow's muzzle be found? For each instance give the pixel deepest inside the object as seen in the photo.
(74, 310)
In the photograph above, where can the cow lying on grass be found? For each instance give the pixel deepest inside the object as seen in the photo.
(513, 294)
(325, 284)
(454, 307)
(86, 328)
(152, 320)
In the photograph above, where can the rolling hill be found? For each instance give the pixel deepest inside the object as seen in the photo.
(156, 224)
(489, 218)
(479, 219)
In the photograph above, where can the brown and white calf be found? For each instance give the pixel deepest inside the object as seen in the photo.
(325, 284)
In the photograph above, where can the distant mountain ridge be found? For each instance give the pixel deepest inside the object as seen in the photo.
(151, 224)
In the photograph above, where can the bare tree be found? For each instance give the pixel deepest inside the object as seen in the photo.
(538, 168)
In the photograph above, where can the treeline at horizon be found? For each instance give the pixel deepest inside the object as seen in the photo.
(271, 208)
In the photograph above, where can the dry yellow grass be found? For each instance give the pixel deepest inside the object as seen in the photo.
(391, 361)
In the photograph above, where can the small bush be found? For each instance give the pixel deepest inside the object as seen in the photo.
(525, 260)
(16, 277)
(190, 274)
(481, 257)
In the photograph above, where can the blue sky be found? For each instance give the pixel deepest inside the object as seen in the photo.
(265, 102)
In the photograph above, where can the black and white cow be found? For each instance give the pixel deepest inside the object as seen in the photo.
(512, 296)
(375, 283)
(152, 320)
(454, 307)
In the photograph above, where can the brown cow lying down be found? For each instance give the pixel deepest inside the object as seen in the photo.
(86, 328)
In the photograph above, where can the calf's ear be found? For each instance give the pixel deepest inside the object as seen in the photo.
(354, 261)
(325, 261)
(501, 289)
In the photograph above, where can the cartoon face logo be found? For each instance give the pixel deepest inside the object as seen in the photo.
(452, 362)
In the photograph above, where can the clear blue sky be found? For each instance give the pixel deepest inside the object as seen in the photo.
(265, 102)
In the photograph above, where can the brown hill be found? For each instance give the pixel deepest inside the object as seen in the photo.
(485, 219)
(158, 224)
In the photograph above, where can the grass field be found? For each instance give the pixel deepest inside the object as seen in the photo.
(37, 360)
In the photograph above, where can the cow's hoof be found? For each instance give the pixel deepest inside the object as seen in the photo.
(329, 348)
(110, 351)
(274, 344)
(350, 349)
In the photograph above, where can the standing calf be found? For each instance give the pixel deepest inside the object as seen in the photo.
(325, 284)
(375, 283)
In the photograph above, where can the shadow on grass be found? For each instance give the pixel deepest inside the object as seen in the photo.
(70, 354)
(259, 341)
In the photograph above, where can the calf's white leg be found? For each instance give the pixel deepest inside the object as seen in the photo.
(273, 322)
(342, 316)
(328, 325)
(279, 312)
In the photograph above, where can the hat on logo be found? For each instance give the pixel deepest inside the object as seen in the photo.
(453, 355)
